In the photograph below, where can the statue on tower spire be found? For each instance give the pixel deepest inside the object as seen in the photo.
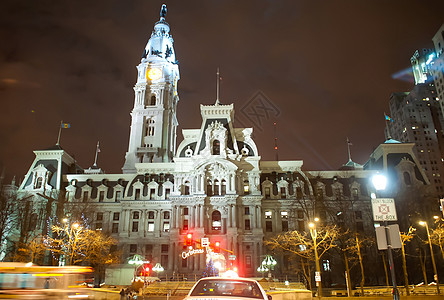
(163, 12)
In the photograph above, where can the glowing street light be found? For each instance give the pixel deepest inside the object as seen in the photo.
(158, 268)
(262, 268)
(423, 223)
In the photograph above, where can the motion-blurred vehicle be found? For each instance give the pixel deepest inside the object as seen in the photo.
(216, 288)
(27, 281)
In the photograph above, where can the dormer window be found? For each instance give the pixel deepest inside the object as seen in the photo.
(216, 147)
(39, 183)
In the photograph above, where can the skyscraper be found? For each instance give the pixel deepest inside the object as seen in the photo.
(438, 63)
(416, 117)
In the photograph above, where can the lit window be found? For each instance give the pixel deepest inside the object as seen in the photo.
(268, 214)
(150, 226)
(284, 214)
(166, 226)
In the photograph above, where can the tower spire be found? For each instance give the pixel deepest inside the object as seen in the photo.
(153, 118)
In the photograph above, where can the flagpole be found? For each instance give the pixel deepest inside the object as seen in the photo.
(386, 118)
(348, 148)
(217, 86)
(97, 151)
(60, 131)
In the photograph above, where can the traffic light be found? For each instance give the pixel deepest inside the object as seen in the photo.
(216, 247)
(189, 239)
(145, 270)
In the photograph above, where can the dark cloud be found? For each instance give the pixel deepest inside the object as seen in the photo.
(329, 66)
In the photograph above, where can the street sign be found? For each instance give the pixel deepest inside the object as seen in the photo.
(317, 276)
(231, 257)
(384, 209)
(204, 242)
(381, 237)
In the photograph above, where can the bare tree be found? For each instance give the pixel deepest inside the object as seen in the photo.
(306, 245)
(437, 237)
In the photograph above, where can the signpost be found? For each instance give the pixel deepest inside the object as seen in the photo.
(317, 278)
(384, 209)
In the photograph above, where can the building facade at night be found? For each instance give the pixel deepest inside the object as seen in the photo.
(212, 185)
(417, 118)
(438, 65)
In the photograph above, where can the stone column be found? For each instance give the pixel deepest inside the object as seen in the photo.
(232, 183)
(253, 217)
(202, 209)
(278, 225)
(158, 224)
(234, 215)
(177, 216)
(230, 216)
(258, 217)
(171, 256)
(192, 217)
(173, 217)
(196, 216)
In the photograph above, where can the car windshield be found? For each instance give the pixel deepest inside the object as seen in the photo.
(229, 288)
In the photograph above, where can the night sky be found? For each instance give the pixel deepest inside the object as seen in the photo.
(326, 67)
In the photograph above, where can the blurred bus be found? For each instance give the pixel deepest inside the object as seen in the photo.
(26, 281)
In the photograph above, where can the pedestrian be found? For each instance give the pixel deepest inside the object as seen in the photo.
(122, 294)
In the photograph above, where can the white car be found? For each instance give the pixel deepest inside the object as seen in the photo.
(215, 288)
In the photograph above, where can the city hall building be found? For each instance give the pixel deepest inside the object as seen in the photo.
(213, 184)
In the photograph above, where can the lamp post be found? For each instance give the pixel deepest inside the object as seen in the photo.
(380, 182)
(423, 223)
(269, 262)
(262, 269)
(137, 261)
(314, 235)
(158, 268)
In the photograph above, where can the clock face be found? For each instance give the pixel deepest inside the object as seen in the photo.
(154, 73)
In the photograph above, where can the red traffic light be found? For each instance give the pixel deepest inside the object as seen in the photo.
(217, 247)
(189, 239)
(145, 270)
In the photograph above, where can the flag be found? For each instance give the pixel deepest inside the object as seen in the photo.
(387, 118)
(66, 125)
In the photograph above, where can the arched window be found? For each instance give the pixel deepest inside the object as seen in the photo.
(38, 183)
(216, 187)
(216, 147)
(216, 220)
(150, 127)
(407, 179)
(153, 100)
(209, 188)
(246, 187)
(223, 187)
(186, 188)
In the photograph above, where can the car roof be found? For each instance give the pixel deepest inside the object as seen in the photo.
(228, 278)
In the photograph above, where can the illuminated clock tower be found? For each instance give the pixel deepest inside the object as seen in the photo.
(153, 118)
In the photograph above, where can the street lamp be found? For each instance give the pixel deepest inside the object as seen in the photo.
(269, 262)
(262, 269)
(158, 268)
(423, 223)
(380, 182)
(314, 235)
